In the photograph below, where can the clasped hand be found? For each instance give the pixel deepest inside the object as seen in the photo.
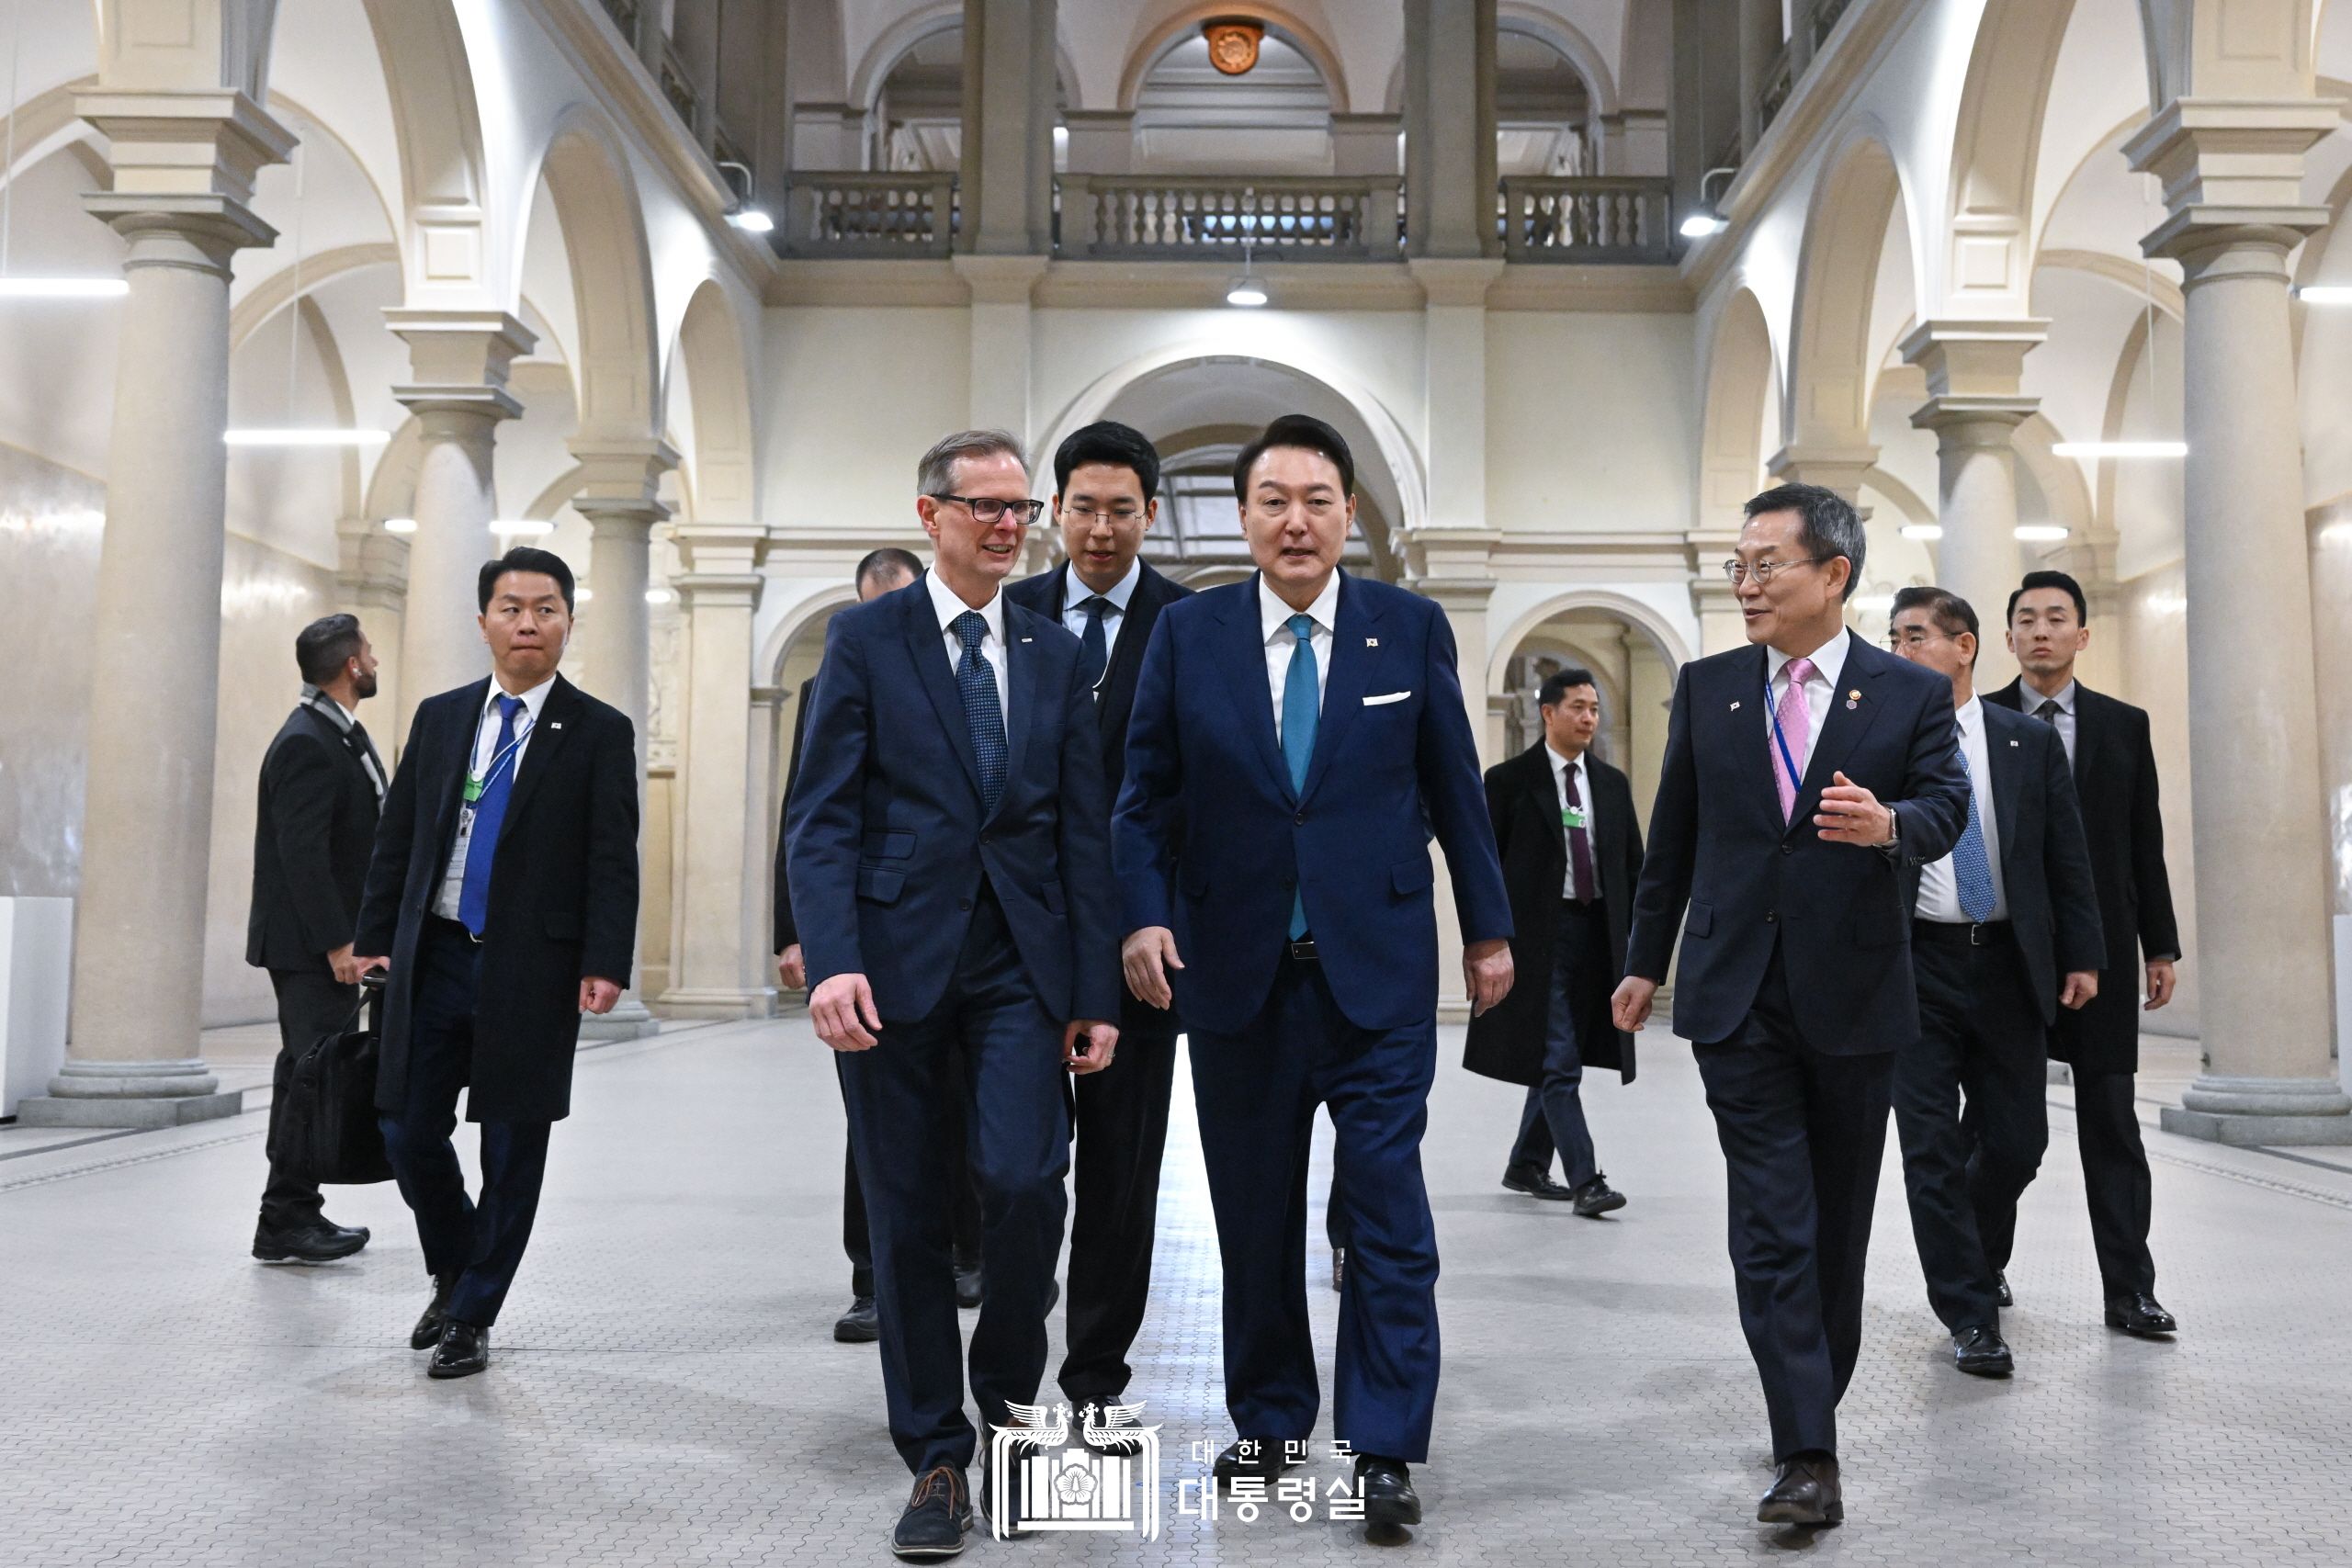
(1849, 813)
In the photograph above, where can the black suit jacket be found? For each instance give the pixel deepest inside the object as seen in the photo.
(2115, 780)
(1751, 881)
(1047, 594)
(1506, 1041)
(2045, 865)
(787, 929)
(562, 892)
(312, 837)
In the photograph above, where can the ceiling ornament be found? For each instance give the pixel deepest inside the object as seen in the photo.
(1233, 43)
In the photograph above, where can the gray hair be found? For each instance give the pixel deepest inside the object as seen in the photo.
(935, 475)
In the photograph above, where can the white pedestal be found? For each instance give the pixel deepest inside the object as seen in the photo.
(36, 981)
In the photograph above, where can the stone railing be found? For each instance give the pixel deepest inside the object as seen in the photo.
(1587, 218)
(1170, 216)
(907, 215)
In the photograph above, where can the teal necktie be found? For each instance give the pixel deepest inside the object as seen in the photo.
(1302, 705)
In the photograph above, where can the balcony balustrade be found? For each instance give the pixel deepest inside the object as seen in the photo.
(1201, 216)
(857, 215)
(1587, 218)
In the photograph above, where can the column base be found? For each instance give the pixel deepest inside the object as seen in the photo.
(131, 1094)
(627, 1020)
(718, 1002)
(2252, 1112)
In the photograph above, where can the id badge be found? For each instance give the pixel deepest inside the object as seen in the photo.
(465, 822)
(1572, 816)
(474, 784)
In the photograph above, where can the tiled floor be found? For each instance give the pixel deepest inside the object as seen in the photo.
(666, 1392)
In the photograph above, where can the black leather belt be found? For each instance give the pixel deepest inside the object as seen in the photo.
(456, 928)
(1301, 950)
(1952, 933)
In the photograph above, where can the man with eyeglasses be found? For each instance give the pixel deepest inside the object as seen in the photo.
(1800, 773)
(1106, 486)
(951, 879)
(2005, 932)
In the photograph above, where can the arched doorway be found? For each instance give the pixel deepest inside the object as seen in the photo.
(1634, 656)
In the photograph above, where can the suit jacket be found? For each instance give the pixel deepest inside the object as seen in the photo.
(1750, 882)
(1212, 842)
(1506, 1041)
(1115, 701)
(788, 931)
(312, 837)
(2115, 781)
(2045, 863)
(562, 892)
(887, 839)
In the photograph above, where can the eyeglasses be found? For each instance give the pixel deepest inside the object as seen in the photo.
(988, 510)
(1740, 571)
(1915, 637)
(1088, 515)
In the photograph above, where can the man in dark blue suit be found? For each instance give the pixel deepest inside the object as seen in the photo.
(951, 878)
(1800, 773)
(1295, 740)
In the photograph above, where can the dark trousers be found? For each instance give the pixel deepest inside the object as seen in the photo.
(1121, 1125)
(1012, 1084)
(481, 1241)
(964, 1194)
(1980, 1035)
(1553, 1118)
(2115, 1182)
(1257, 1092)
(1802, 1134)
(310, 1003)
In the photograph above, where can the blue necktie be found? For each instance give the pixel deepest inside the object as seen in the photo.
(975, 683)
(1093, 647)
(1970, 867)
(490, 811)
(1302, 705)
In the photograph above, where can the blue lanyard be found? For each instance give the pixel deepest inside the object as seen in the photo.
(1796, 780)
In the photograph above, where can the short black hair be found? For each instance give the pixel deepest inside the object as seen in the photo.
(1951, 614)
(323, 648)
(524, 557)
(1113, 445)
(2051, 579)
(888, 559)
(1301, 430)
(1557, 685)
(1825, 523)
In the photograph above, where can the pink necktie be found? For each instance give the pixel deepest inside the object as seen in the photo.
(1796, 729)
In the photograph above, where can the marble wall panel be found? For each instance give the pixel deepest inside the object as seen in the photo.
(51, 520)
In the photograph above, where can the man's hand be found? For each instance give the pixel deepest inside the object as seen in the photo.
(842, 1009)
(362, 965)
(1628, 1008)
(792, 969)
(1852, 815)
(1486, 973)
(1087, 1043)
(2160, 982)
(347, 969)
(1146, 956)
(2082, 984)
(598, 997)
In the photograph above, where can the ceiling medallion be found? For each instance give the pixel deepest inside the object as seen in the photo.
(1233, 43)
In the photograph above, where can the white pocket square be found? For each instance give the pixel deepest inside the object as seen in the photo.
(1386, 697)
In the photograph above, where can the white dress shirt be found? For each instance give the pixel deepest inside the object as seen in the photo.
(1273, 619)
(1828, 664)
(1561, 768)
(1075, 593)
(453, 876)
(947, 606)
(1939, 885)
(2032, 700)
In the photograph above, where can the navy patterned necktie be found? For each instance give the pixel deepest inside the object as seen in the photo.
(1972, 868)
(975, 683)
(1094, 646)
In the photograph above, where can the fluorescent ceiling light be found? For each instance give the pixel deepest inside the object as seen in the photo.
(64, 288)
(307, 435)
(581, 596)
(2326, 294)
(2119, 450)
(1875, 604)
(1701, 224)
(1245, 292)
(1923, 530)
(657, 596)
(527, 526)
(751, 219)
(2039, 532)
(400, 524)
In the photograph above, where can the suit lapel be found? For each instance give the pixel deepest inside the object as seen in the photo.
(1545, 791)
(2089, 733)
(1126, 654)
(1242, 652)
(1853, 707)
(2005, 759)
(1747, 707)
(1021, 691)
(926, 645)
(1355, 652)
(557, 720)
(462, 760)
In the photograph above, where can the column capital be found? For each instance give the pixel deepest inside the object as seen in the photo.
(1448, 564)
(720, 563)
(372, 566)
(2231, 171)
(184, 166)
(1973, 358)
(1840, 468)
(1985, 422)
(1455, 280)
(620, 480)
(459, 359)
(1000, 279)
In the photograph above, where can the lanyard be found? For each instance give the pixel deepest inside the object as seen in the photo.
(1796, 780)
(477, 784)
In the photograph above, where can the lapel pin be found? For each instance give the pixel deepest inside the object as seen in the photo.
(1735, 707)
(1372, 642)
(1028, 640)
(559, 725)
(1854, 698)
(2012, 742)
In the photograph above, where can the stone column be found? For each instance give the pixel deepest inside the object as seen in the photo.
(998, 384)
(1449, 565)
(1973, 371)
(720, 959)
(1366, 143)
(460, 360)
(1008, 174)
(1721, 626)
(371, 582)
(1839, 468)
(1101, 142)
(1450, 179)
(2232, 174)
(184, 168)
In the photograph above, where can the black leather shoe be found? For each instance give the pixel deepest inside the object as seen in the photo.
(937, 1516)
(428, 1332)
(1338, 1266)
(1804, 1493)
(969, 1287)
(1982, 1352)
(1535, 1183)
(1597, 1198)
(2001, 1292)
(862, 1325)
(463, 1351)
(1003, 1522)
(2142, 1314)
(1386, 1487)
(1260, 1458)
(321, 1241)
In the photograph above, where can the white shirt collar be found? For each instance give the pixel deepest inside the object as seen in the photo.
(2064, 699)
(947, 605)
(1273, 616)
(534, 699)
(1970, 715)
(1560, 763)
(1075, 591)
(1828, 659)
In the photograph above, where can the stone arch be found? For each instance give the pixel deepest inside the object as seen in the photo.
(1741, 378)
(806, 617)
(1656, 628)
(437, 121)
(1860, 191)
(1180, 24)
(892, 43)
(1996, 146)
(603, 224)
(719, 390)
(1519, 16)
(1631, 739)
